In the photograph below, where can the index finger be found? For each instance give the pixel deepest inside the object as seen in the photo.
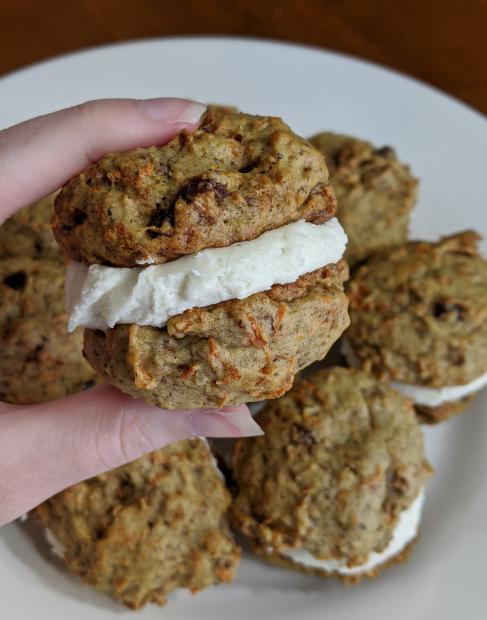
(40, 155)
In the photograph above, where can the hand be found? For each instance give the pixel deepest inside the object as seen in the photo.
(45, 448)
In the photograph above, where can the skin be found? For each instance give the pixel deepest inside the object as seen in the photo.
(46, 448)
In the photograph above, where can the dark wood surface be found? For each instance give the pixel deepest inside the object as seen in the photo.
(443, 42)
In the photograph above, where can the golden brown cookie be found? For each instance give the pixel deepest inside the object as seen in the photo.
(147, 528)
(419, 317)
(39, 360)
(375, 191)
(340, 465)
(28, 233)
(234, 178)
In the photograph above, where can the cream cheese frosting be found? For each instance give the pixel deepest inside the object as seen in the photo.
(57, 548)
(420, 394)
(404, 533)
(100, 297)
(434, 397)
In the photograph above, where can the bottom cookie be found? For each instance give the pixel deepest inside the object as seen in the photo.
(434, 415)
(229, 353)
(400, 558)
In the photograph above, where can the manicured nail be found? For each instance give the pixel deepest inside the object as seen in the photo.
(171, 111)
(234, 423)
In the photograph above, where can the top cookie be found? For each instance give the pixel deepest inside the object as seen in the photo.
(419, 313)
(234, 178)
(375, 192)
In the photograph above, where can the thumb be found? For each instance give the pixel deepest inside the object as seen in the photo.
(46, 448)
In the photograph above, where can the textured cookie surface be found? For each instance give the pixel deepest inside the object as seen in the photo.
(28, 233)
(230, 353)
(144, 529)
(234, 178)
(341, 458)
(375, 193)
(39, 360)
(419, 313)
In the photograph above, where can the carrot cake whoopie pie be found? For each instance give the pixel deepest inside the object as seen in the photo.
(375, 191)
(419, 320)
(146, 528)
(208, 271)
(336, 485)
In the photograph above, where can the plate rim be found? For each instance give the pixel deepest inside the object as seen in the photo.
(268, 41)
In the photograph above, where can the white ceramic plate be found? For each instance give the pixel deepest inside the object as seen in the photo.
(446, 143)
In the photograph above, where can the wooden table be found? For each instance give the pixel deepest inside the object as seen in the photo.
(440, 41)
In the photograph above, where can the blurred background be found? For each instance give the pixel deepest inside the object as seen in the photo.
(442, 42)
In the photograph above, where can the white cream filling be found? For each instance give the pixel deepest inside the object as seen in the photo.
(213, 458)
(404, 532)
(433, 397)
(349, 354)
(419, 394)
(56, 545)
(99, 297)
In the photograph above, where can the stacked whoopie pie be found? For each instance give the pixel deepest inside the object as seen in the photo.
(171, 239)
(146, 528)
(419, 320)
(208, 271)
(335, 486)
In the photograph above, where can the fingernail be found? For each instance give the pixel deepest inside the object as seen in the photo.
(172, 110)
(234, 424)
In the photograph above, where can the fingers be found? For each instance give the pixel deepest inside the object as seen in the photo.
(45, 448)
(40, 155)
